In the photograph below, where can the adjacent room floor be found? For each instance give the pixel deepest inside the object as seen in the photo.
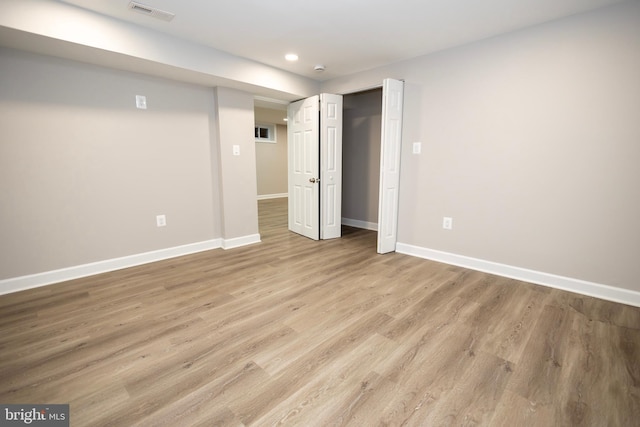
(292, 331)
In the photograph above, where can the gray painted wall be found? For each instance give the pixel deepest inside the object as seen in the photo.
(237, 173)
(83, 173)
(361, 155)
(531, 142)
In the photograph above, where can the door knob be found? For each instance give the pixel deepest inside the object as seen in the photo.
(314, 180)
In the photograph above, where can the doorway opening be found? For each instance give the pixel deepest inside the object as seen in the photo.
(361, 145)
(362, 123)
(271, 168)
(373, 122)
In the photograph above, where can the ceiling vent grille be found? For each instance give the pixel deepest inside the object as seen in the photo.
(151, 11)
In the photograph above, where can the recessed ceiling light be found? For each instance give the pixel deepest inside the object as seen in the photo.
(291, 57)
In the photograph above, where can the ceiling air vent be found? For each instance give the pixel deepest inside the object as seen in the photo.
(151, 11)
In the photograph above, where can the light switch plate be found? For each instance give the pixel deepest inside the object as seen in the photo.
(236, 150)
(141, 102)
(417, 147)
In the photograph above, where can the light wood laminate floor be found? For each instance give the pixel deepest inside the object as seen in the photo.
(296, 332)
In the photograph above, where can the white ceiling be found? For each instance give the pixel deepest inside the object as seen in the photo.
(346, 36)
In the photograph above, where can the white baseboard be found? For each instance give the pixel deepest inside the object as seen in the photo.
(49, 277)
(597, 290)
(360, 224)
(240, 241)
(272, 196)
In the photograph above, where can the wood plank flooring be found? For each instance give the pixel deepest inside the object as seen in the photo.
(296, 332)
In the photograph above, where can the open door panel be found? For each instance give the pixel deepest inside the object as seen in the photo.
(304, 167)
(315, 166)
(391, 143)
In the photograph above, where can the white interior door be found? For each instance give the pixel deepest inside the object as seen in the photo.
(391, 142)
(304, 167)
(330, 166)
(315, 166)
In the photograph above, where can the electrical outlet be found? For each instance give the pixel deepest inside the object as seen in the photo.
(161, 220)
(447, 223)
